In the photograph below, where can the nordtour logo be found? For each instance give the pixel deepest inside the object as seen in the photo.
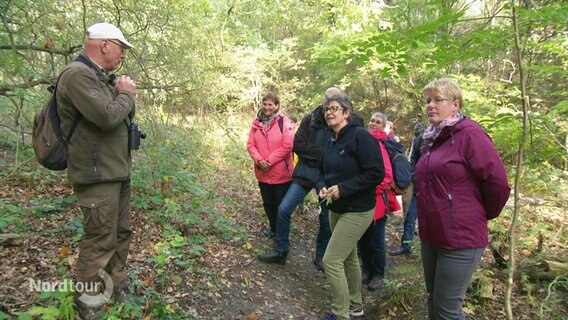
(68, 285)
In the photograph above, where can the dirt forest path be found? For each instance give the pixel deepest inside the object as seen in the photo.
(224, 281)
(297, 290)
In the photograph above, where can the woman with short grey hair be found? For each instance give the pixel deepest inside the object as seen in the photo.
(350, 168)
(378, 121)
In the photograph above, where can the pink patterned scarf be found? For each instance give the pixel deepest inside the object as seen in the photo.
(432, 132)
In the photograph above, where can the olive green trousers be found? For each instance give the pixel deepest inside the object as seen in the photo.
(108, 233)
(340, 260)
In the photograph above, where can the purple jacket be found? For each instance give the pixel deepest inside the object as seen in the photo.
(460, 184)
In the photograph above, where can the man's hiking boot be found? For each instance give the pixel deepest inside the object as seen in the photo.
(318, 262)
(123, 295)
(356, 312)
(86, 312)
(375, 283)
(400, 251)
(273, 256)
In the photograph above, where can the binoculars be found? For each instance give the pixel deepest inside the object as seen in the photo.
(134, 136)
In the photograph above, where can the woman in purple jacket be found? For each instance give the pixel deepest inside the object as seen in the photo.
(461, 183)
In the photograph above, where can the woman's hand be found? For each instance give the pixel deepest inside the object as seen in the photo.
(333, 191)
(263, 165)
(323, 193)
(330, 193)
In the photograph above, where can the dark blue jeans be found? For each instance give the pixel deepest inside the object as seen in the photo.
(295, 195)
(372, 249)
(409, 223)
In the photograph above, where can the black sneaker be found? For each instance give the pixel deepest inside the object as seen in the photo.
(318, 262)
(365, 278)
(375, 283)
(268, 233)
(273, 256)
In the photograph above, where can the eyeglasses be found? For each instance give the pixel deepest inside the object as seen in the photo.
(377, 121)
(333, 109)
(437, 101)
(122, 48)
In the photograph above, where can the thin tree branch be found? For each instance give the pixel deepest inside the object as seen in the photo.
(47, 49)
(7, 89)
(558, 142)
(519, 168)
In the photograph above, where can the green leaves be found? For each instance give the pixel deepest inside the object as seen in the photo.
(328, 200)
(63, 309)
(11, 217)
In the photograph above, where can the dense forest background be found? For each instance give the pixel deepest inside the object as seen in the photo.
(201, 67)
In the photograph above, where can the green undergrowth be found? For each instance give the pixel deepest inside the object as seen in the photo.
(404, 287)
(176, 182)
(183, 182)
(179, 185)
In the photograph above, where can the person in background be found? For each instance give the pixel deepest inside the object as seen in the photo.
(270, 147)
(372, 244)
(417, 132)
(294, 122)
(309, 141)
(350, 169)
(389, 129)
(411, 213)
(461, 184)
(99, 163)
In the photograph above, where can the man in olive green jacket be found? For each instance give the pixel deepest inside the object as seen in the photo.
(99, 161)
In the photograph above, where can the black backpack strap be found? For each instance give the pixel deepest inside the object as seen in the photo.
(91, 66)
(53, 90)
(73, 127)
(281, 124)
(88, 63)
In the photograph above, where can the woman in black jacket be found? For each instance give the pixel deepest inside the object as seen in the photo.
(351, 167)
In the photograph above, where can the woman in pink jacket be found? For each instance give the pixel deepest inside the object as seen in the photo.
(372, 244)
(270, 147)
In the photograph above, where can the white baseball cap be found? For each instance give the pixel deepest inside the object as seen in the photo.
(106, 30)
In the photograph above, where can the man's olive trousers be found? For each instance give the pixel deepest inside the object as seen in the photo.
(108, 233)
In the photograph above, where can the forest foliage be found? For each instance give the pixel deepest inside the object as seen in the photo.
(218, 57)
(201, 66)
